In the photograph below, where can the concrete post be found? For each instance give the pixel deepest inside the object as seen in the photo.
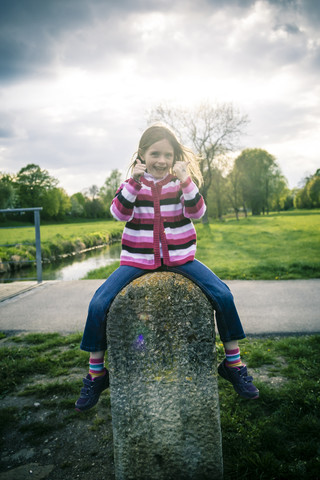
(164, 394)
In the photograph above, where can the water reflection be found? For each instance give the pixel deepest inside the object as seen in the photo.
(70, 268)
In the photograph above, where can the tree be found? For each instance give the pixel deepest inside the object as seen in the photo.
(56, 203)
(7, 191)
(94, 208)
(217, 198)
(81, 199)
(233, 189)
(313, 189)
(211, 131)
(78, 202)
(309, 195)
(109, 188)
(302, 199)
(32, 182)
(280, 194)
(93, 191)
(257, 171)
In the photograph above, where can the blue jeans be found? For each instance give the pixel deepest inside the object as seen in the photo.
(228, 321)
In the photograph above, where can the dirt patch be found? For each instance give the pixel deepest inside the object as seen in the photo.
(268, 375)
(46, 442)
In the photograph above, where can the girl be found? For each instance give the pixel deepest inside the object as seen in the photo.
(157, 203)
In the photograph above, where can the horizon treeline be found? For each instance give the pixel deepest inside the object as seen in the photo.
(253, 185)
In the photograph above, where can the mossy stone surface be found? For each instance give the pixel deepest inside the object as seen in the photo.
(164, 394)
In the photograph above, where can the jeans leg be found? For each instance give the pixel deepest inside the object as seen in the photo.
(94, 336)
(228, 321)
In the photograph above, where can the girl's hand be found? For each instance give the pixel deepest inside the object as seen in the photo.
(138, 169)
(180, 169)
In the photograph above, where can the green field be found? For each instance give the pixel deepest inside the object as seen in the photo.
(66, 231)
(276, 246)
(58, 239)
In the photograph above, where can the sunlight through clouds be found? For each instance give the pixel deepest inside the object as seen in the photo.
(78, 78)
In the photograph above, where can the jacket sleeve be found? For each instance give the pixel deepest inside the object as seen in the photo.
(123, 203)
(192, 200)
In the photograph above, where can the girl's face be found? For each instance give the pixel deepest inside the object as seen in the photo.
(159, 158)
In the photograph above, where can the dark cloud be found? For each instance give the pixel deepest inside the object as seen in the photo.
(306, 14)
(311, 9)
(36, 36)
(29, 31)
(243, 4)
(6, 132)
(283, 3)
(289, 28)
(33, 32)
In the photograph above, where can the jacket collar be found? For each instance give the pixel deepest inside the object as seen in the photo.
(162, 182)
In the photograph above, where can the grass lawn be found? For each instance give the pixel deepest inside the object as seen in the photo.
(65, 231)
(58, 239)
(277, 246)
(271, 247)
(273, 438)
(282, 245)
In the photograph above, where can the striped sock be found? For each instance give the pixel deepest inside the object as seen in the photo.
(96, 367)
(233, 358)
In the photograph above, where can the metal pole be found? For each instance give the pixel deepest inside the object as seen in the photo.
(38, 245)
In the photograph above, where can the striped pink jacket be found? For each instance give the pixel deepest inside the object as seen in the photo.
(158, 219)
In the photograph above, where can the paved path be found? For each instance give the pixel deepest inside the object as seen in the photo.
(265, 307)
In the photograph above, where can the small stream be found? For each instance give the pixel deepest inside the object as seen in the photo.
(69, 268)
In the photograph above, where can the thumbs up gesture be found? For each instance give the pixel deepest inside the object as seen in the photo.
(180, 169)
(138, 169)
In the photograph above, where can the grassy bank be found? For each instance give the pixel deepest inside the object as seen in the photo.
(273, 247)
(277, 246)
(275, 437)
(58, 239)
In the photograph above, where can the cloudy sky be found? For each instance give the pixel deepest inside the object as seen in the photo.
(77, 78)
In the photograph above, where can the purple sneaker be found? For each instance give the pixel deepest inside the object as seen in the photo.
(91, 390)
(238, 376)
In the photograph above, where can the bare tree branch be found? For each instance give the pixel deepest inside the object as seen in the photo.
(211, 131)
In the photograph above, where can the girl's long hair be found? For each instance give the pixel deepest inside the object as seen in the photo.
(158, 132)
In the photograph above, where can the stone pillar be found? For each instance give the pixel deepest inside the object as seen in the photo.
(163, 376)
